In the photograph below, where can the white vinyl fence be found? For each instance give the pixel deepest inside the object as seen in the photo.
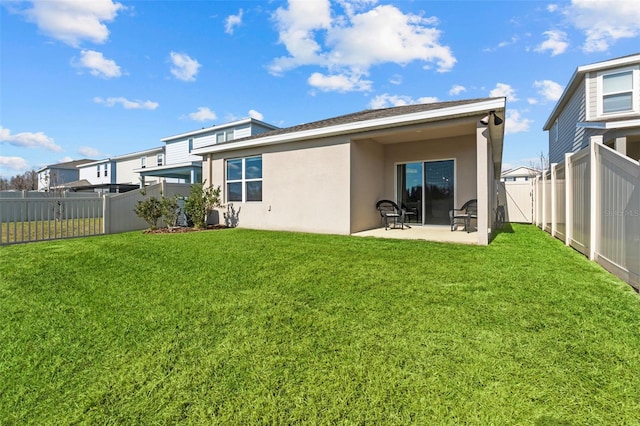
(26, 217)
(591, 201)
(516, 197)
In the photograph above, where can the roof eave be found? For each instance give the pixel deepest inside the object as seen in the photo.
(358, 126)
(215, 128)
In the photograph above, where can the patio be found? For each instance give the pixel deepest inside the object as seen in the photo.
(427, 233)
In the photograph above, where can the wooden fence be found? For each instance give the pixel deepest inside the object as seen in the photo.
(591, 201)
(36, 217)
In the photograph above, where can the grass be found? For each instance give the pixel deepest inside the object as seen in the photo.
(255, 327)
(38, 230)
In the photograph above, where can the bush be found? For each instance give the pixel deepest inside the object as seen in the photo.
(170, 210)
(201, 202)
(153, 209)
(150, 210)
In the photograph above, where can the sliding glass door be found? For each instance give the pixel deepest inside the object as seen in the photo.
(427, 190)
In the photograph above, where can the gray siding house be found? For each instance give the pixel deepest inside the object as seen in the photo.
(56, 175)
(600, 99)
(181, 165)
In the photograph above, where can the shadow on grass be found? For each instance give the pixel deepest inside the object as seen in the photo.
(506, 228)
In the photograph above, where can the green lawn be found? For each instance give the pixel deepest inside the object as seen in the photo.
(250, 327)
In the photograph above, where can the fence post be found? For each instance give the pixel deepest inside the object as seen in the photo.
(106, 218)
(568, 199)
(594, 193)
(554, 207)
(544, 199)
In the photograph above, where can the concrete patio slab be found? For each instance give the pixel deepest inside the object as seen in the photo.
(427, 233)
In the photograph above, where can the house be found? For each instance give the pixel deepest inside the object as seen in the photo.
(601, 99)
(326, 176)
(55, 175)
(519, 174)
(182, 165)
(116, 174)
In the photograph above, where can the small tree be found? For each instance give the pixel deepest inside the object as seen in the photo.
(150, 210)
(170, 211)
(201, 202)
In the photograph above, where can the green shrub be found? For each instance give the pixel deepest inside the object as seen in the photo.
(150, 210)
(170, 210)
(201, 202)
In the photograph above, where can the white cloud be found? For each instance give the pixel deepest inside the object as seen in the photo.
(17, 164)
(396, 79)
(604, 22)
(28, 140)
(74, 21)
(256, 115)
(532, 101)
(552, 8)
(347, 46)
(339, 83)
(456, 89)
(386, 100)
(549, 89)
(98, 64)
(87, 151)
(514, 123)
(504, 90)
(126, 103)
(514, 39)
(233, 21)
(183, 67)
(203, 114)
(556, 42)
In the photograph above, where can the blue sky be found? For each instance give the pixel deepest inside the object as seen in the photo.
(94, 79)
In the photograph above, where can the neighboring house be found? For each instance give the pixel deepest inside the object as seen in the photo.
(55, 175)
(181, 164)
(601, 99)
(327, 176)
(519, 174)
(116, 174)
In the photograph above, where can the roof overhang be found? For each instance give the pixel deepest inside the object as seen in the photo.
(479, 108)
(607, 125)
(178, 171)
(205, 130)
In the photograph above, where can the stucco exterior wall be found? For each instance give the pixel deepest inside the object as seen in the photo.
(305, 187)
(461, 149)
(367, 183)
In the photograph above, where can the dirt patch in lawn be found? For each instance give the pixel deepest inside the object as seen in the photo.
(183, 229)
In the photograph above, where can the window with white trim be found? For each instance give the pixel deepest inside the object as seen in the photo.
(244, 179)
(143, 162)
(98, 168)
(160, 159)
(618, 92)
(105, 170)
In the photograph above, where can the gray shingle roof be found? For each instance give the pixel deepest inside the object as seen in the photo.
(370, 114)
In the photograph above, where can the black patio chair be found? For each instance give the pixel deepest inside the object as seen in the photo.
(390, 213)
(409, 213)
(464, 215)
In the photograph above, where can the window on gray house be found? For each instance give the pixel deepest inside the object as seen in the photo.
(105, 170)
(617, 92)
(160, 159)
(98, 169)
